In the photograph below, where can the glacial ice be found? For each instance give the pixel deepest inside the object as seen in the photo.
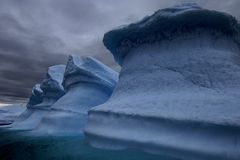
(87, 83)
(67, 94)
(42, 98)
(178, 91)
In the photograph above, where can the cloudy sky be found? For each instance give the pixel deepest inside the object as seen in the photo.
(35, 34)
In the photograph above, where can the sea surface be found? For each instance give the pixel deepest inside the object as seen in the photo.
(17, 146)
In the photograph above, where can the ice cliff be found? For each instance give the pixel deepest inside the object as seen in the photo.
(178, 91)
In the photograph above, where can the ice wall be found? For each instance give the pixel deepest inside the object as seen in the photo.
(178, 92)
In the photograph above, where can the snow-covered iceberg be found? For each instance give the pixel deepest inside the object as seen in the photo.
(42, 98)
(87, 83)
(178, 91)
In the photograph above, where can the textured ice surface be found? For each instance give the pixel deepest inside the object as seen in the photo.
(88, 83)
(178, 91)
(166, 24)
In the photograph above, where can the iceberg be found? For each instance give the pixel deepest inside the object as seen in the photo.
(178, 91)
(51, 86)
(59, 105)
(87, 83)
(42, 98)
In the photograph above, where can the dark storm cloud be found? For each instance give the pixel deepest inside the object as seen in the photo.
(35, 34)
(25, 53)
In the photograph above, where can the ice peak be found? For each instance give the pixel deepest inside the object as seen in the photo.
(56, 73)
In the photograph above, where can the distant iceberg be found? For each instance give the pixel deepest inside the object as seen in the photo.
(51, 87)
(42, 98)
(178, 91)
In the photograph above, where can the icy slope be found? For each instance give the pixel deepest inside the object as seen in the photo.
(87, 83)
(178, 91)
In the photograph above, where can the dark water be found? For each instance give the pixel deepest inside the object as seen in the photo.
(15, 146)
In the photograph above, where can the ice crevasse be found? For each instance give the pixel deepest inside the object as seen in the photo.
(178, 91)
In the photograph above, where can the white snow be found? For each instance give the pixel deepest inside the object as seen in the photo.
(178, 94)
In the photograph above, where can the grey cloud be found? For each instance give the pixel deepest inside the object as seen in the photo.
(37, 34)
(25, 55)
